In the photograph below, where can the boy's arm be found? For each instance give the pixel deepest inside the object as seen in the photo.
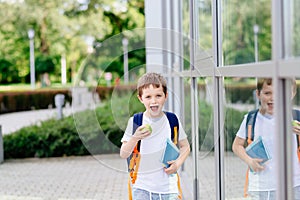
(296, 127)
(184, 148)
(128, 146)
(239, 150)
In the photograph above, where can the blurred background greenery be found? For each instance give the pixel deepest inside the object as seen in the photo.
(66, 30)
(69, 31)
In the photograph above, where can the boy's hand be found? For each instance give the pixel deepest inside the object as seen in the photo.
(296, 127)
(142, 132)
(255, 165)
(173, 167)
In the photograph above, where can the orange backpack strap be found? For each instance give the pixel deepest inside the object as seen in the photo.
(134, 164)
(250, 124)
(133, 169)
(179, 187)
(175, 140)
(298, 148)
(296, 116)
(129, 189)
(246, 183)
(250, 136)
(249, 130)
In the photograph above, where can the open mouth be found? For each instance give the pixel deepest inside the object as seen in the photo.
(270, 105)
(154, 108)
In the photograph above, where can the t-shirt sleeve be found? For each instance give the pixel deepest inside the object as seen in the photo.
(242, 130)
(128, 132)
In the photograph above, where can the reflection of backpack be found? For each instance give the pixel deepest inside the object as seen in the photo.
(250, 124)
(134, 159)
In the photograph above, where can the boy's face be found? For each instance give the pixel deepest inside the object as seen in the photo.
(266, 99)
(153, 100)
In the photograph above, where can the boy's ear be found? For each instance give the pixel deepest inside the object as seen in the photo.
(166, 94)
(257, 93)
(138, 96)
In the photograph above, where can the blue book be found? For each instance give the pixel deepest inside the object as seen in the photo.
(257, 149)
(171, 152)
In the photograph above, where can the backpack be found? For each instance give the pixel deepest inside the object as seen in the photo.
(250, 124)
(134, 159)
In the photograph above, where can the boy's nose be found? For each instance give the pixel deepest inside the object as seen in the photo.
(153, 100)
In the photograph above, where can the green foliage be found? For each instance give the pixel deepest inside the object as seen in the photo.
(7, 72)
(52, 138)
(240, 93)
(61, 30)
(238, 36)
(296, 29)
(44, 64)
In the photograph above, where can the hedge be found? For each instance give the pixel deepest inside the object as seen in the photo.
(17, 101)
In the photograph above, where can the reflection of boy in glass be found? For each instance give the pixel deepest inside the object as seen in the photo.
(261, 182)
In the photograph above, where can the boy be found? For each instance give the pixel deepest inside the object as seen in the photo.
(261, 183)
(153, 180)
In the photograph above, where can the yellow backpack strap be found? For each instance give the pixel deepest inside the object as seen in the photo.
(249, 141)
(175, 135)
(175, 139)
(133, 170)
(134, 164)
(129, 188)
(179, 187)
(298, 149)
(246, 183)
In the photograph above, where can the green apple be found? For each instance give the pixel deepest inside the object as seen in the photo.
(148, 127)
(295, 123)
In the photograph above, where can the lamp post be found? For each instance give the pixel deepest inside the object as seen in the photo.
(255, 30)
(32, 67)
(125, 56)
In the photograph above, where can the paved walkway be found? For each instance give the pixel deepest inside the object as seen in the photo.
(100, 178)
(11, 122)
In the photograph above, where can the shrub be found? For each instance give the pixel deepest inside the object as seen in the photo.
(52, 138)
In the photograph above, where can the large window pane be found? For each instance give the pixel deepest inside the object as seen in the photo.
(186, 33)
(296, 138)
(207, 181)
(239, 100)
(246, 31)
(205, 25)
(187, 168)
(238, 130)
(292, 28)
(206, 159)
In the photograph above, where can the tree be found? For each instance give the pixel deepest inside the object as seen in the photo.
(238, 36)
(61, 29)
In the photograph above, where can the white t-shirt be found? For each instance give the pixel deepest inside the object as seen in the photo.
(151, 175)
(266, 179)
